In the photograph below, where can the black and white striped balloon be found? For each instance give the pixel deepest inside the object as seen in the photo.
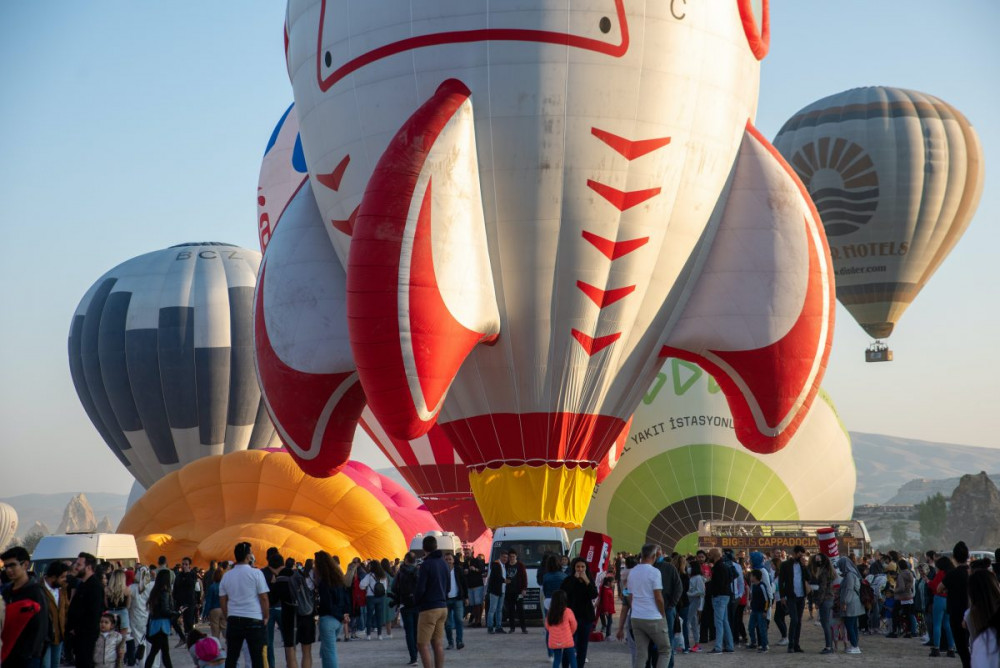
(161, 354)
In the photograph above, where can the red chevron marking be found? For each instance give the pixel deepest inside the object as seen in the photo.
(346, 226)
(332, 180)
(604, 297)
(621, 199)
(628, 148)
(592, 345)
(614, 249)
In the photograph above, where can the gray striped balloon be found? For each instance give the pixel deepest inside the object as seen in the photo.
(161, 354)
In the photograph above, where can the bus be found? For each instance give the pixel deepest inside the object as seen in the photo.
(762, 536)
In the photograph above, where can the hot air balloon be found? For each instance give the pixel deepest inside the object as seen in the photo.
(8, 524)
(161, 354)
(683, 464)
(534, 208)
(211, 504)
(896, 176)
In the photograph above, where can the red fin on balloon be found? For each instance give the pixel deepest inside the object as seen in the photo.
(760, 315)
(420, 289)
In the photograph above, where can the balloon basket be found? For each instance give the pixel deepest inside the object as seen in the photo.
(878, 352)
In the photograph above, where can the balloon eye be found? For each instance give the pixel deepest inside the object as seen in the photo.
(605, 24)
(328, 59)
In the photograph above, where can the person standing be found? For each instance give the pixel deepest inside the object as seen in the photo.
(560, 631)
(474, 568)
(138, 610)
(850, 601)
(83, 619)
(822, 575)
(184, 597)
(57, 597)
(432, 601)
(793, 585)
(955, 586)
(719, 590)
(275, 563)
(673, 590)
(161, 615)
(404, 588)
(117, 599)
(759, 603)
(696, 603)
(375, 585)
(938, 621)
(25, 592)
(645, 602)
(580, 594)
(458, 597)
(517, 584)
(495, 586)
(334, 604)
(243, 594)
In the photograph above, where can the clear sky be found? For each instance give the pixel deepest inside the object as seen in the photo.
(126, 127)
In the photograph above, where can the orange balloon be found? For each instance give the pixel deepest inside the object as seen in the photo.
(203, 510)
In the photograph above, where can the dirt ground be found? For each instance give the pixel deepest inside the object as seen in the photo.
(517, 650)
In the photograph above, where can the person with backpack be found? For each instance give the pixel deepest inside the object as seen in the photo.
(304, 594)
(334, 604)
(404, 588)
(375, 585)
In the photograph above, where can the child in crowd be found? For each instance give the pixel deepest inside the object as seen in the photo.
(606, 605)
(561, 625)
(109, 652)
(759, 605)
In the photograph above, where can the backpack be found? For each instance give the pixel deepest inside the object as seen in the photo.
(379, 589)
(282, 588)
(406, 587)
(867, 595)
(304, 598)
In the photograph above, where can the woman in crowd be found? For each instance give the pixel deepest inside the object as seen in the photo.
(116, 599)
(850, 601)
(982, 619)
(683, 605)
(161, 611)
(334, 604)
(822, 575)
(375, 585)
(696, 602)
(938, 608)
(388, 612)
(138, 609)
(904, 593)
(580, 593)
(551, 580)
(305, 621)
(213, 606)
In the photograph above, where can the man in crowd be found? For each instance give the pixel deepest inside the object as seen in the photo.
(736, 588)
(649, 624)
(671, 594)
(474, 567)
(793, 578)
(719, 592)
(243, 597)
(275, 563)
(432, 602)
(24, 596)
(956, 585)
(495, 585)
(57, 597)
(404, 589)
(184, 597)
(83, 620)
(517, 584)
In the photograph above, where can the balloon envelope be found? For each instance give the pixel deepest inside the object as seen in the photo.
(683, 464)
(211, 504)
(161, 354)
(896, 176)
(8, 524)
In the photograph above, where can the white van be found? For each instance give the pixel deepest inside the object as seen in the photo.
(531, 545)
(116, 547)
(448, 543)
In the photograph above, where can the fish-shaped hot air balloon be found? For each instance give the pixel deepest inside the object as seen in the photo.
(533, 206)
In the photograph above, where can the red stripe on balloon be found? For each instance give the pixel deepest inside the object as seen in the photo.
(622, 199)
(614, 249)
(631, 149)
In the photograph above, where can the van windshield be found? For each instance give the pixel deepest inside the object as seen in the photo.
(529, 552)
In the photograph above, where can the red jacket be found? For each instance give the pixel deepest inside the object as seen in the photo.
(606, 606)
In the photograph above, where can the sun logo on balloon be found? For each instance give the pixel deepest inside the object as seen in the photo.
(842, 181)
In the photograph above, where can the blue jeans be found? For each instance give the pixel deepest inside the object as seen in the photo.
(373, 605)
(851, 627)
(683, 614)
(825, 619)
(456, 611)
(567, 653)
(939, 618)
(758, 628)
(273, 619)
(670, 614)
(53, 655)
(410, 616)
(329, 628)
(495, 619)
(723, 633)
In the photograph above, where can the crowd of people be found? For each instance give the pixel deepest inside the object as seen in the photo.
(91, 614)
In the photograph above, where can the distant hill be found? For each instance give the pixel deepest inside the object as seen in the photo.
(887, 463)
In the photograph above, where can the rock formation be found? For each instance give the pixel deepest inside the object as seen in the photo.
(974, 513)
(78, 516)
(104, 526)
(39, 527)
